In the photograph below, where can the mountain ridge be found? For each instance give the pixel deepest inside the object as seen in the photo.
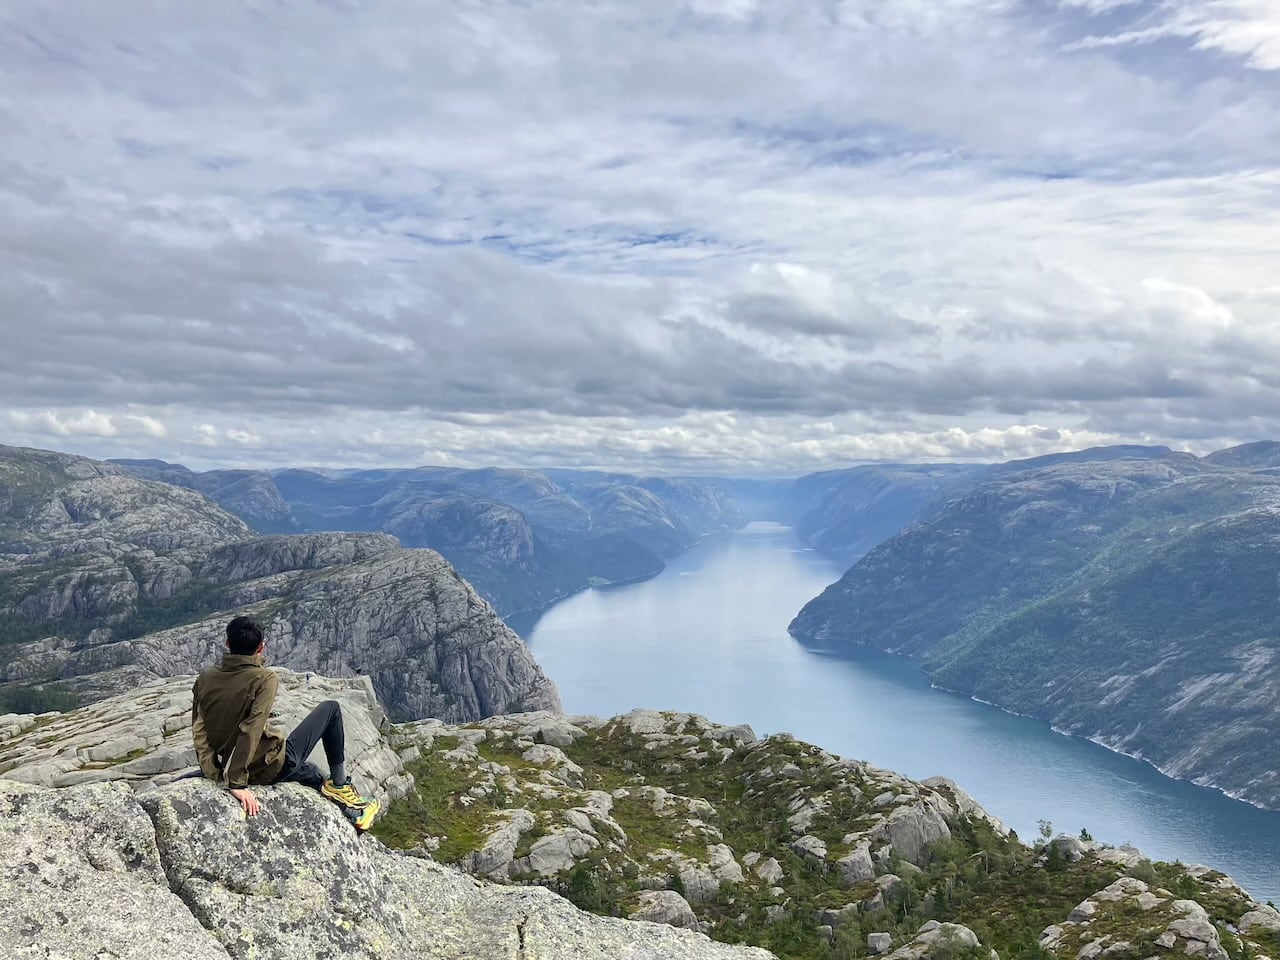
(1109, 597)
(524, 538)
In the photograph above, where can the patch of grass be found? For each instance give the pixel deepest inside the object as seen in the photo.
(648, 831)
(131, 755)
(436, 808)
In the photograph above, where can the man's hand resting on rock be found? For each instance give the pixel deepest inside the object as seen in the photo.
(247, 800)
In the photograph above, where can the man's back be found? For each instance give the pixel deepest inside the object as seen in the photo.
(231, 704)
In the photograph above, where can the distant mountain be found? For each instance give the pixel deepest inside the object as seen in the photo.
(1125, 451)
(1130, 600)
(107, 580)
(758, 499)
(844, 513)
(250, 494)
(1248, 456)
(524, 538)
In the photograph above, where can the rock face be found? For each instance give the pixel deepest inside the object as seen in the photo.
(404, 618)
(108, 581)
(1155, 573)
(250, 494)
(180, 872)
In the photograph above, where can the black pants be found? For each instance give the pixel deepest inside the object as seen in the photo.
(324, 723)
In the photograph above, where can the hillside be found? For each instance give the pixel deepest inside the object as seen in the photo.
(249, 494)
(844, 513)
(107, 580)
(1127, 600)
(524, 538)
(665, 818)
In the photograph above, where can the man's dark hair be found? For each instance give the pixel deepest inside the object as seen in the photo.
(243, 635)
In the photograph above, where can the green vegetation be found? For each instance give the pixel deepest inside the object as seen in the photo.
(676, 795)
(36, 699)
(197, 600)
(437, 807)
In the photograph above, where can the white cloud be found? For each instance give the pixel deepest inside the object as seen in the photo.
(243, 438)
(1243, 28)
(1249, 29)
(739, 10)
(713, 442)
(85, 423)
(479, 232)
(1099, 6)
(147, 425)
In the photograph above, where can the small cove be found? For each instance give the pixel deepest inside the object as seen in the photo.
(708, 636)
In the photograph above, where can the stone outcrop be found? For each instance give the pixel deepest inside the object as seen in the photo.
(964, 803)
(114, 852)
(663, 817)
(179, 872)
(1101, 926)
(936, 939)
(665, 906)
(915, 828)
(1262, 918)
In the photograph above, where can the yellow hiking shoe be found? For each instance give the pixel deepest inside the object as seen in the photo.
(364, 817)
(345, 794)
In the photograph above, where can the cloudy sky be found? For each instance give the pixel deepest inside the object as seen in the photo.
(687, 235)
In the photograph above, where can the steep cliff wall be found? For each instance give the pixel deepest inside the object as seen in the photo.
(107, 581)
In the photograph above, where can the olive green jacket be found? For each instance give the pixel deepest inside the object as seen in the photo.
(230, 705)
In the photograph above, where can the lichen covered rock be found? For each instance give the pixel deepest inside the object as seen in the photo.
(181, 873)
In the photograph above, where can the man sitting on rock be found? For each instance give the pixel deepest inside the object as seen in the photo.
(231, 704)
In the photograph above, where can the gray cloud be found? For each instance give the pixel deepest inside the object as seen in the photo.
(752, 232)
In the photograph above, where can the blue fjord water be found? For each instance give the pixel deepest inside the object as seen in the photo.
(709, 636)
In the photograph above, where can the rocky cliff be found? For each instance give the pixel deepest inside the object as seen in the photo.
(521, 537)
(666, 818)
(107, 581)
(525, 538)
(1129, 600)
(249, 494)
(139, 868)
